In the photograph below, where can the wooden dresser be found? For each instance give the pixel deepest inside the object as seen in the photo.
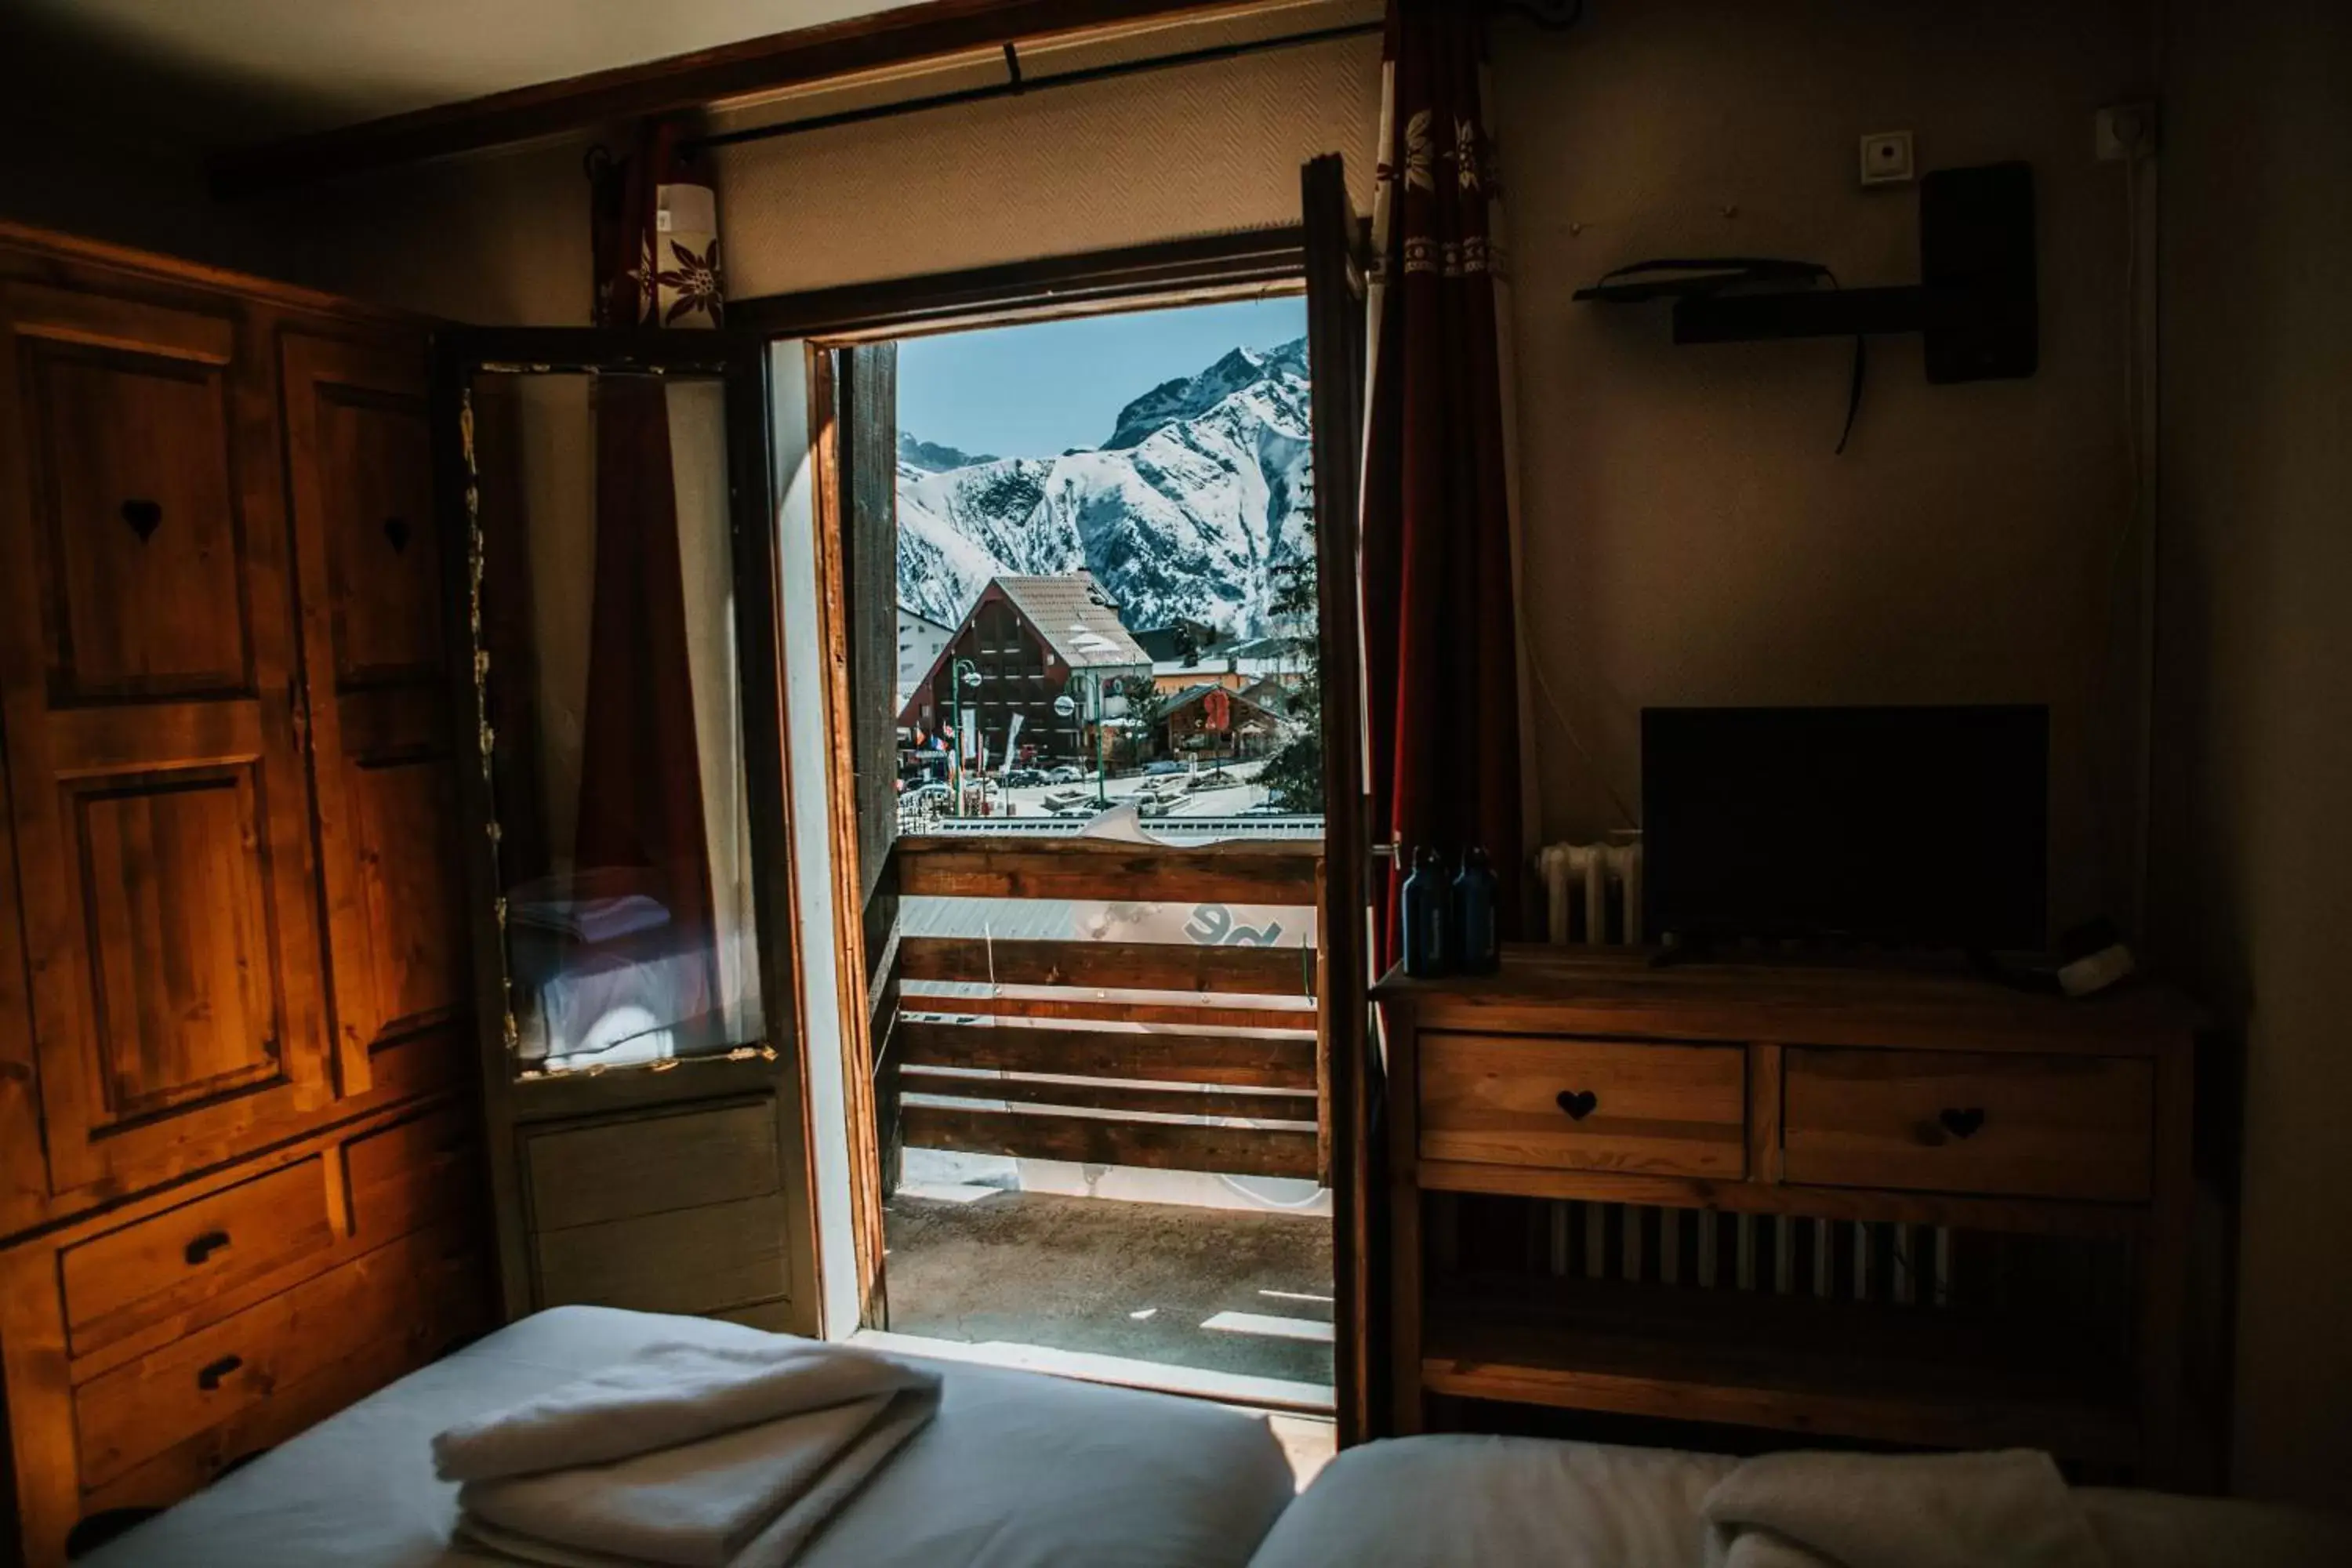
(239, 1126)
(1885, 1205)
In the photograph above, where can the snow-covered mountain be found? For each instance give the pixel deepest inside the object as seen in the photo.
(1201, 492)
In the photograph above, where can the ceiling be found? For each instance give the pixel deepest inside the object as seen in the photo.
(224, 71)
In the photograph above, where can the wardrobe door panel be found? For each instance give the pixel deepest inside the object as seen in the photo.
(139, 523)
(360, 469)
(158, 791)
(375, 475)
(178, 948)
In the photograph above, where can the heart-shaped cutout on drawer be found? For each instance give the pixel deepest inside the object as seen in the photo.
(1578, 1102)
(1961, 1123)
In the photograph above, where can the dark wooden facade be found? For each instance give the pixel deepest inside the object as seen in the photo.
(1021, 674)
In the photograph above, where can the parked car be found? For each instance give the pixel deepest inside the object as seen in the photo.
(1022, 778)
(1163, 767)
(1065, 774)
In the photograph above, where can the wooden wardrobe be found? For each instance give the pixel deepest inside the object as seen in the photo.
(238, 1125)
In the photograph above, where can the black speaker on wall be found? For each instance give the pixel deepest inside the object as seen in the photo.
(1976, 264)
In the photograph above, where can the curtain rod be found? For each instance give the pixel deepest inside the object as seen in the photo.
(1017, 84)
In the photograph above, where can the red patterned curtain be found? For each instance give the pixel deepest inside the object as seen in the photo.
(1440, 623)
(641, 802)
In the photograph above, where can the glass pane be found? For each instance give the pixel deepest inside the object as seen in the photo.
(606, 612)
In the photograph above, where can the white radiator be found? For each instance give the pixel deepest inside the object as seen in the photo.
(1593, 894)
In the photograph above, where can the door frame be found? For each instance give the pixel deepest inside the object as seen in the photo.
(1189, 271)
(739, 361)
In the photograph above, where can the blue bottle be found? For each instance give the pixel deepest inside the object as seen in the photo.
(1477, 945)
(1427, 915)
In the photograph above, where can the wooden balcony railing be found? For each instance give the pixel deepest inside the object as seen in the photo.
(1224, 1045)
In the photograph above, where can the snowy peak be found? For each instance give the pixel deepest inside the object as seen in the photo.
(1204, 496)
(1188, 397)
(932, 458)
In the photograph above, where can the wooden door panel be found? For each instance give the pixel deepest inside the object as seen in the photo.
(359, 466)
(184, 982)
(137, 524)
(158, 790)
(407, 817)
(375, 465)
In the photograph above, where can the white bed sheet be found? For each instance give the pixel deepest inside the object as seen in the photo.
(1017, 1470)
(1457, 1501)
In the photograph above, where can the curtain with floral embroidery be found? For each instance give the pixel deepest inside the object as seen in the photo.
(1442, 685)
(653, 229)
(643, 825)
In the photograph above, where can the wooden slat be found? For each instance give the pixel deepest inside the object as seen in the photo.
(779, 60)
(1116, 1097)
(1102, 1053)
(1204, 1017)
(1094, 1141)
(1252, 264)
(1271, 873)
(1131, 965)
(1923, 1005)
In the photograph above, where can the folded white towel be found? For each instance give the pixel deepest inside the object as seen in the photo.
(690, 1455)
(2008, 1510)
(665, 1395)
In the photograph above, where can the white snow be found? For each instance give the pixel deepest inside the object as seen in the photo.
(1205, 490)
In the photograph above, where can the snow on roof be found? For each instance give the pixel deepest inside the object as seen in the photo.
(1077, 618)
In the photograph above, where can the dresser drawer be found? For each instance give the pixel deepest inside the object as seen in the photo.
(401, 1300)
(1995, 1122)
(408, 1175)
(1586, 1105)
(120, 1282)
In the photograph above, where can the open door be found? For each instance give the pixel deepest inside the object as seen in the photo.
(857, 391)
(628, 882)
(1337, 346)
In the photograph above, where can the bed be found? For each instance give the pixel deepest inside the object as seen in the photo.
(1473, 1502)
(1022, 1470)
(1016, 1470)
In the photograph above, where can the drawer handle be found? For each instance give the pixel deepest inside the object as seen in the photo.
(205, 1245)
(395, 533)
(210, 1378)
(1961, 1123)
(144, 518)
(1579, 1103)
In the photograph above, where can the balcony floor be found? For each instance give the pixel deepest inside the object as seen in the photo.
(1138, 1280)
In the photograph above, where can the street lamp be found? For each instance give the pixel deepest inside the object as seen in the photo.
(962, 675)
(1065, 708)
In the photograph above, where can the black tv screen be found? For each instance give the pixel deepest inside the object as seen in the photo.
(1896, 826)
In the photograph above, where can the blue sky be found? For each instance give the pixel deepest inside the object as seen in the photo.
(1036, 391)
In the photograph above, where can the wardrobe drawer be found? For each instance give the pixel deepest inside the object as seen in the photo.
(125, 1280)
(405, 1176)
(408, 1297)
(2036, 1126)
(1584, 1105)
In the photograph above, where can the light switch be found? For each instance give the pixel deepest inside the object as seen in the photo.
(1886, 158)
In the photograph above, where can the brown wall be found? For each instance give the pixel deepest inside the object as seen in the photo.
(1689, 536)
(2253, 849)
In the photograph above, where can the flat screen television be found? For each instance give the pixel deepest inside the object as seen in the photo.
(1906, 827)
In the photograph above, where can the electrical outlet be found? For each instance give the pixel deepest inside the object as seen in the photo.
(2126, 130)
(1886, 158)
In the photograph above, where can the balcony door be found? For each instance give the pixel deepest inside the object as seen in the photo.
(615, 594)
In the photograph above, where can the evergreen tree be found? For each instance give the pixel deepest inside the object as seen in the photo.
(1293, 775)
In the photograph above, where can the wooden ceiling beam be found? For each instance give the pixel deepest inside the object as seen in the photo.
(905, 36)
